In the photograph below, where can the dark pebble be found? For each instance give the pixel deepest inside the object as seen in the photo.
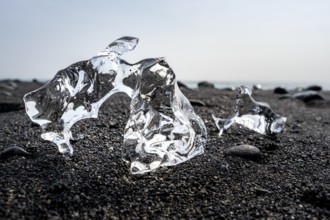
(280, 90)
(257, 87)
(224, 167)
(34, 125)
(35, 81)
(113, 124)
(205, 84)
(196, 102)
(313, 88)
(14, 151)
(246, 151)
(260, 191)
(307, 96)
(182, 85)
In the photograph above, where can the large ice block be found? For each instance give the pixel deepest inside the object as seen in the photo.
(162, 130)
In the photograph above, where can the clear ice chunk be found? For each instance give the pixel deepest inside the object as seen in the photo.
(257, 116)
(162, 129)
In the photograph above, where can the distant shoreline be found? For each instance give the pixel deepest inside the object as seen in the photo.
(265, 85)
(224, 84)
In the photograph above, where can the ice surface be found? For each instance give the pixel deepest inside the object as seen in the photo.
(162, 130)
(251, 114)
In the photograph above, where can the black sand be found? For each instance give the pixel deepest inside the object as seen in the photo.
(291, 180)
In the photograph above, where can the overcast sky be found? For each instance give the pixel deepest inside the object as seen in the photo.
(215, 40)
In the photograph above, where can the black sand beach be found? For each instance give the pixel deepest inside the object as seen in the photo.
(290, 180)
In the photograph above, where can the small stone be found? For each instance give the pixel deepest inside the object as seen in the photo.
(280, 90)
(261, 191)
(246, 151)
(307, 96)
(35, 81)
(196, 102)
(181, 84)
(205, 84)
(14, 151)
(313, 88)
(113, 124)
(257, 87)
(224, 167)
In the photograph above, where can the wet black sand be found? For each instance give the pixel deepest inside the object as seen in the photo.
(291, 180)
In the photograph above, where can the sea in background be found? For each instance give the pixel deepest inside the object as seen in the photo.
(231, 84)
(264, 85)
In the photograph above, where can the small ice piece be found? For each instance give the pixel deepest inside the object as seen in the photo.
(162, 130)
(251, 114)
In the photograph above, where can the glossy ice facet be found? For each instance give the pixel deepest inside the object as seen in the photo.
(251, 114)
(162, 130)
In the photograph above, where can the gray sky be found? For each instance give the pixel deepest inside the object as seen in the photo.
(215, 40)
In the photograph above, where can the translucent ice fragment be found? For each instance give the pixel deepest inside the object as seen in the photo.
(162, 129)
(253, 115)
